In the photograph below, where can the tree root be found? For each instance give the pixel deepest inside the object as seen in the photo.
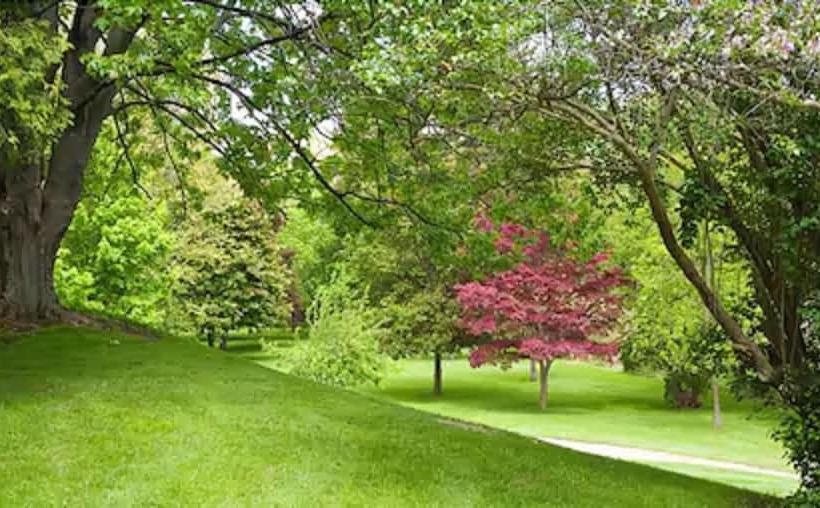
(59, 315)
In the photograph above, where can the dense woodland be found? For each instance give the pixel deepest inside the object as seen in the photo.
(358, 182)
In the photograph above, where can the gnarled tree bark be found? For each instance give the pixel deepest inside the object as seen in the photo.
(26, 261)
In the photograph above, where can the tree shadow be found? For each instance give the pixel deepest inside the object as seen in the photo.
(504, 399)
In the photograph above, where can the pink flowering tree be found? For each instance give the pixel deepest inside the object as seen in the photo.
(547, 306)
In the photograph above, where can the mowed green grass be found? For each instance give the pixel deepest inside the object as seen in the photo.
(97, 419)
(598, 404)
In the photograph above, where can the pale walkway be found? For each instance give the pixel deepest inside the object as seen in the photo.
(641, 455)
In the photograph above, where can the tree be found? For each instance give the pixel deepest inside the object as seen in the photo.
(423, 324)
(668, 331)
(230, 273)
(240, 78)
(114, 260)
(544, 308)
(114, 257)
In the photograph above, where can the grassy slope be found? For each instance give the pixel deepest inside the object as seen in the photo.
(596, 404)
(92, 419)
(614, 407)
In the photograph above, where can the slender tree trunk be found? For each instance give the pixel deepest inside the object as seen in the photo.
(223, 343)
(717, 416)
(533, 371)
(709, 274)
(544, 370)
(437, 381)
(743, 345)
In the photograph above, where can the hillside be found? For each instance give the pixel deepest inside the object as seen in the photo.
(96, 419)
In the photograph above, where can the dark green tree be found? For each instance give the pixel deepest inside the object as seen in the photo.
(230, 273)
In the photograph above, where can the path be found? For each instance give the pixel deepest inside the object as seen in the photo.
(641, 455)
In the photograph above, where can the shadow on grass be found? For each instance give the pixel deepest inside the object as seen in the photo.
(244, 347)
(522, 398)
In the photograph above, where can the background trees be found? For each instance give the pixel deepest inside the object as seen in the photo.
(669, 99)
(212, 73)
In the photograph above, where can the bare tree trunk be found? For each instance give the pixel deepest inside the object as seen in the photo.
(544, 370)
(26, 253)
(709, 274)
(437, 381)
(533, 371)
(717, 416)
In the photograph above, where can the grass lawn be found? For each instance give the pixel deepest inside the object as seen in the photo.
(98, 419)
(597, 404)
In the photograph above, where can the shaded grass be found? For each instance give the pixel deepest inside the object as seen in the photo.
(90, 418)
(773, 485)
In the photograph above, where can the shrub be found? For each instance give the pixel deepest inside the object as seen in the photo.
(799, 432)
(113, 260)
(342, 344)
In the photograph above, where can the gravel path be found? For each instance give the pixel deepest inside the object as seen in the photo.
(641, 455)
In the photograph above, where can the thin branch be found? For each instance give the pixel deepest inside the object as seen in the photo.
(253, 108)
(234, 9)
(271, 41)
(168, 153)
(134, 172)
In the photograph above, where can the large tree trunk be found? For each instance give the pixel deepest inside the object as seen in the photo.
(437, 382)
(36, 208)
(543, 371)
(27, 253)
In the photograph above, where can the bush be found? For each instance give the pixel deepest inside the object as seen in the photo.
(342, 344)
(684, 390)
(800, 433)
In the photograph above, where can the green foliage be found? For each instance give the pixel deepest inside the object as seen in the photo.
(313, 244)
(422, 323)
(114, 259)
(800, 433)
(342, 344)
(668, 328)
(229, 272)
(799, 429)
(31, 113)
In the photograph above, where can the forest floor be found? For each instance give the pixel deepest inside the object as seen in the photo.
(92, 418)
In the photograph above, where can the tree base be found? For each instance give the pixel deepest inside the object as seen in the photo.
(59, 315)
